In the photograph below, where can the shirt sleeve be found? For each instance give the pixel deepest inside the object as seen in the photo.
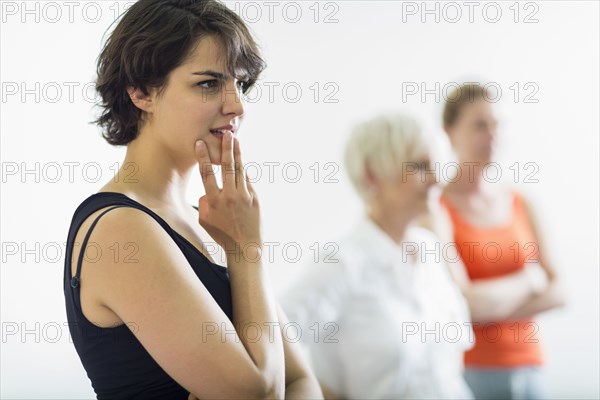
(453, 299)
(314, 304)
(317, 295)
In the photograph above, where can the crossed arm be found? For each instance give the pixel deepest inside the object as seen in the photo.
(553, 296)
(300, 382)
(510, 297)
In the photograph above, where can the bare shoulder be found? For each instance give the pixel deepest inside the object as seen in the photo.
(114, 241)
(149, 284)
(123, 240)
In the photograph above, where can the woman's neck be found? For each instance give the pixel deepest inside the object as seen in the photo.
(149, 173)
(394, 225)
(470, 180)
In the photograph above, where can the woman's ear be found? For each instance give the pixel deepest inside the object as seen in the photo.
(448, 131)
(370, 179)
(449, 134)
(142, 101)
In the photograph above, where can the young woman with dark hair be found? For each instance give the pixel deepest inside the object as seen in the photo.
(163, 320)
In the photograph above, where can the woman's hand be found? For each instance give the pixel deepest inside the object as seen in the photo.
(192, 397)
(538, 277)
(230, 215)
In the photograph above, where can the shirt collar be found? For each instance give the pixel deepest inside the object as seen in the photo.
(378, 243)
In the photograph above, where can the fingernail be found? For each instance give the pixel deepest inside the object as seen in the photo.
(200, 144)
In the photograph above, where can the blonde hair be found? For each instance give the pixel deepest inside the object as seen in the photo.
(385, 142)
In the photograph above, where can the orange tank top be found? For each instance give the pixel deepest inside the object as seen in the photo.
(493, 252)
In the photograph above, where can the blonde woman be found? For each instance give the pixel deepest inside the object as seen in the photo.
(381, 318)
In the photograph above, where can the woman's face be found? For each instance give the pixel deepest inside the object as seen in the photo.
(473, 134)
(199, 96)
(406, 194)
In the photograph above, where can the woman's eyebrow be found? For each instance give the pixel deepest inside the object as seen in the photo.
(214, 74)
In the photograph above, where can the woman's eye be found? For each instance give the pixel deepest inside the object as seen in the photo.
(481, 126)
(243, 85)
(208, 84)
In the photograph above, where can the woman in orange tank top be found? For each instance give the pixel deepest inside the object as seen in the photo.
(500, 264)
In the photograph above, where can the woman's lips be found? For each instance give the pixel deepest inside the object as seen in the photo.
(217, 134)
(220, 132)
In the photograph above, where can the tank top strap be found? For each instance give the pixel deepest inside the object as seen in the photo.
(520, 211)
(75, 279)
(452, 212)
(92, 204)
(517, 200)
(517, 207)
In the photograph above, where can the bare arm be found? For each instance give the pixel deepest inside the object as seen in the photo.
(231, 216)
(496, 299)
(554, 295)
(329, 395)
(253, 304)
(300, 381)
(172, 313)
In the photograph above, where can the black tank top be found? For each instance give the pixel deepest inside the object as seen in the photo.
(117, 364)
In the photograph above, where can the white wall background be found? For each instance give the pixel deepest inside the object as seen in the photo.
(369, 53)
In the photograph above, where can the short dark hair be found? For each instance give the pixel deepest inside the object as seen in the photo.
(458, 98)
(154, 37)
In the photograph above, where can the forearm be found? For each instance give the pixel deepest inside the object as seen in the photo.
(305, 387)
(497, 298)
(255, 310)
(552, 297)
(328, 394)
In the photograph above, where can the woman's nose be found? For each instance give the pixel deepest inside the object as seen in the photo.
(233, 102)
(432, 178)
(490, 134)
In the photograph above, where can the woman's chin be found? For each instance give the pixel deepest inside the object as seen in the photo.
(422, 207)
(215, 157)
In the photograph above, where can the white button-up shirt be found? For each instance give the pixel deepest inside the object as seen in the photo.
(378, 323)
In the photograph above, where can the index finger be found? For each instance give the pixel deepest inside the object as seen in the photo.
(208, 176)
(227, 166)
(239, 166)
